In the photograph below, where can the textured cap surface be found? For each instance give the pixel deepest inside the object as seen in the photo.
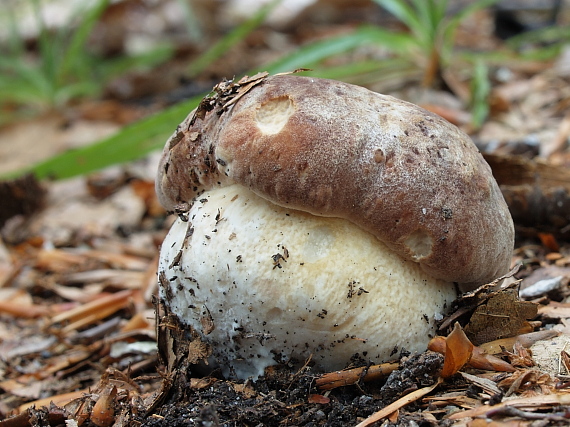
(407, 176)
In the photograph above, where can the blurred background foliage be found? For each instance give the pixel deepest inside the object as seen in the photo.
(60, 66)
(165, 55)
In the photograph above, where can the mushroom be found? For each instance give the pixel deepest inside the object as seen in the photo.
(320, 218)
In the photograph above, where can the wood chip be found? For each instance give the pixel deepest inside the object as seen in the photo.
(485, 383)
(555, 310)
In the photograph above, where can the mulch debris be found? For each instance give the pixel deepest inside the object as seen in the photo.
(79, 331)
(84, 342)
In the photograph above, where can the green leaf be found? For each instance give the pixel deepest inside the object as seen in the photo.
(63, 69)
(16, 44)
(438, 12)
(430, 16)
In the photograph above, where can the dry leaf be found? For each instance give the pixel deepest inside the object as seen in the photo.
(521, 356)
(458, 351)
(549, 241)
(544, 273)
(103, 413)
(478, 358)
(198, 351)
(526, 379)
(555, 310)
(502, 315)
(486, 384)
(482, 360)
(18, 303)
(541, 401)
(60, 400)
(245, 389)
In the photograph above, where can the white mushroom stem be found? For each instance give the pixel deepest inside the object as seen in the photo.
(265, 284)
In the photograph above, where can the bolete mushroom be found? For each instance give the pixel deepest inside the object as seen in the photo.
(320, 218)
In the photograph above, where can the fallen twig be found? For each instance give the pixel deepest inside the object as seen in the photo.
(403, 401)
(541, 401)
(352, 376)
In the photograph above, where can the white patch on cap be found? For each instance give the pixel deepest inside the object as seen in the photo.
(420, 244)
(272, 116)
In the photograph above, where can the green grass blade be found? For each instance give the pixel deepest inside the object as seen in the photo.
(16, 43)
(438, 11)
(131, 143)
(401, 10)
(149, 134)
(480, 90)
(22, 81)
(83, 88)
(122, 64)
(370, 71)
(312, 53)
(231, 39)
(547, 35)
(74, 52)
(46, 47)
(426, 13)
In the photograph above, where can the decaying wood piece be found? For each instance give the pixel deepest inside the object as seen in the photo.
(536, 191)
(178, 350)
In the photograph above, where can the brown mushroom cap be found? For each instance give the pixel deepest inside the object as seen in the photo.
(407, 176)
